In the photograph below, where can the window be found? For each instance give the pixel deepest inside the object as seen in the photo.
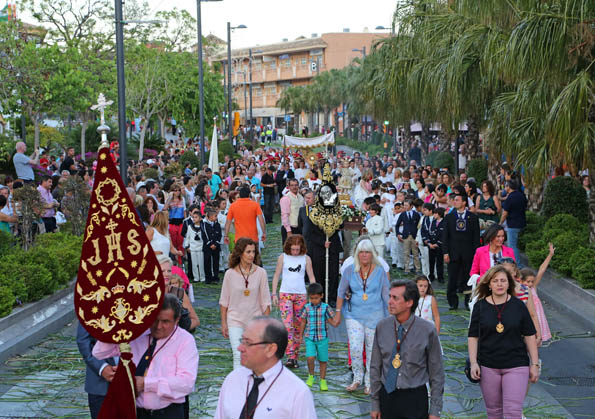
(287, 63)
(270, 90)
(273, 65)
(257, 65)
(257, 91)
(303, 61)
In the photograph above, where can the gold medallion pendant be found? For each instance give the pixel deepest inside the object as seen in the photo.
(365, 296)
(246, 293)
(397, 361)
(499, 327)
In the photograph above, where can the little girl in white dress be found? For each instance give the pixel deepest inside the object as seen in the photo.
(427, 306)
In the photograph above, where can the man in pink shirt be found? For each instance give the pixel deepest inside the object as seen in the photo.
(49, 204)
(166, 361)
(290, 206)
(262, 387)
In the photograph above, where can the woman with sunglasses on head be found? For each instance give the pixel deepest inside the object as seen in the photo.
(292, 265)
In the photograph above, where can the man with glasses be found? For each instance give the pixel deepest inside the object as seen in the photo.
(262, 387)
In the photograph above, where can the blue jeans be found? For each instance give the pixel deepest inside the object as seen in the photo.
(513, 238)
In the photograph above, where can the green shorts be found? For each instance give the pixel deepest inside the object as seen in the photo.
(319, 349)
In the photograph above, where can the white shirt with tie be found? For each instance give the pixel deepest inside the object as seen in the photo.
(289, 397)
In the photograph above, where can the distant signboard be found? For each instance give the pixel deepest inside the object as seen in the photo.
(287, 118)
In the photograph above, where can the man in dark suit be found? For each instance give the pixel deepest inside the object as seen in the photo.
(409, 219)
(459, 241)
(316, 244)
(99, 373)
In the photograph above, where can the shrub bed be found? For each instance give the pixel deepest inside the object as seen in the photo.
(565, 195)
(48, 266)
(574, 255)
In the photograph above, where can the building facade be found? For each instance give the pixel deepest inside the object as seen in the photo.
(276, 67)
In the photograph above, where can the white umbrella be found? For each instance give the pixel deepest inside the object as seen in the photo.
(214, 154)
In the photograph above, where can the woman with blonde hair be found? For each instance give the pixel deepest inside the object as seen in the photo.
(502, 345)
(363, 188)
(367, 305)
(158, 235)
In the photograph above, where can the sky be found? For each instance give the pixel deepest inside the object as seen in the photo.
(269, 21)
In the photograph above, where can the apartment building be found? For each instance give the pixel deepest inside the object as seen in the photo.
(276, 67)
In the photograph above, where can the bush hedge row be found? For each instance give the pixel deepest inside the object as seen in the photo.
(48, 266)
(574, 255)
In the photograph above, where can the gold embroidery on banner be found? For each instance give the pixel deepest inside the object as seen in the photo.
(141, 312)
(158, 294)
(138, 287)
(114, 208)
(94, 219)
(98, 295)
(103, 323)
(120, 309)
(95, 260)
(113, 243)
(118, 289)
(135, 246)
(108, 202)
(122, 334)
(81, 313)
(91, 280)
(84, 265)
(124, 271)
(79, 290)
(126, 213)
(142, 266)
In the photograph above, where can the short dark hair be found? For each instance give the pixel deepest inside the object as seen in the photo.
(315, 289)
(45, 178)
(411, 292)
(171, 302)
(376, 207)
(513, 184)
(369, 200)
(149, 185)
(245, 191)
(274, 332)
(208, 170)
(442, 187)
(3, 201)
(440, 211)
(491, 232)
(429, 206)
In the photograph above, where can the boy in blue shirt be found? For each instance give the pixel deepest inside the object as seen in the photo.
(315, 315)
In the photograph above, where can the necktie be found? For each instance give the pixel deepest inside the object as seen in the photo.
(250, 405)
(145, 361)
(390, 383)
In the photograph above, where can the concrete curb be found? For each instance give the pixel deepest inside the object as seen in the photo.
(567, 296)
(28, 325)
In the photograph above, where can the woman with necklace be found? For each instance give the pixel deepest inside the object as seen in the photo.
(244, 293)
(489, 255)
(367, 305)
(502, 345)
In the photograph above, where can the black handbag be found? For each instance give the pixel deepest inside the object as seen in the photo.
(468, 361)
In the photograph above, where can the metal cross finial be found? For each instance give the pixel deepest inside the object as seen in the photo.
(103, 129)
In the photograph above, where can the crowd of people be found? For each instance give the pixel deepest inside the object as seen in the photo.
(208, 224)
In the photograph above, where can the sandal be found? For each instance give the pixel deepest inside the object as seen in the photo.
(352, 387)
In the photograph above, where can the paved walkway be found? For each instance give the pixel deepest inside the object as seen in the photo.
(47, 381)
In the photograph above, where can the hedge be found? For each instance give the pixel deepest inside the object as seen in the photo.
(189, 157)
(582, 266)
(565, 195)
(477, 169)
(562, 223)
(49, 265)
(441, 159)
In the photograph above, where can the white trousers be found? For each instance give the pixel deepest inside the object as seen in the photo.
(235, 335)
(359, 335)
(424, 256)
(198, 266)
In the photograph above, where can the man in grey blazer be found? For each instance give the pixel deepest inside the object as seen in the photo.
(406, 355)
(100, 372)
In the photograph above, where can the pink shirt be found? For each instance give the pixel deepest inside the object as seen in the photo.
(172, 372)
(46, 196)
(242, 308)
(285, 204)
(288, 398)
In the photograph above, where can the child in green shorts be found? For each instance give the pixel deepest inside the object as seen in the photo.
(315, 316)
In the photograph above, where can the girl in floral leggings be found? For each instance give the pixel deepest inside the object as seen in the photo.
(292, 266)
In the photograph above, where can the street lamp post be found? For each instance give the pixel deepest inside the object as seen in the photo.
(201, 81)
(229, 29)
(121, 91)
(362, 50)
(383, 28)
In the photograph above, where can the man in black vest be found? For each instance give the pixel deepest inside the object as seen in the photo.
(459, 241)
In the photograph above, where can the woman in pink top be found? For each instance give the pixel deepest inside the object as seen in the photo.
(244, 295)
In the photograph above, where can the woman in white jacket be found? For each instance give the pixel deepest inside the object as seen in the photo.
(375, 229)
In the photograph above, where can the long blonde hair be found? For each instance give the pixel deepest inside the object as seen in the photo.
(161, 222)
(365, 245)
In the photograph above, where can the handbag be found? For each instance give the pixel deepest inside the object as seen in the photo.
(468, 361)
